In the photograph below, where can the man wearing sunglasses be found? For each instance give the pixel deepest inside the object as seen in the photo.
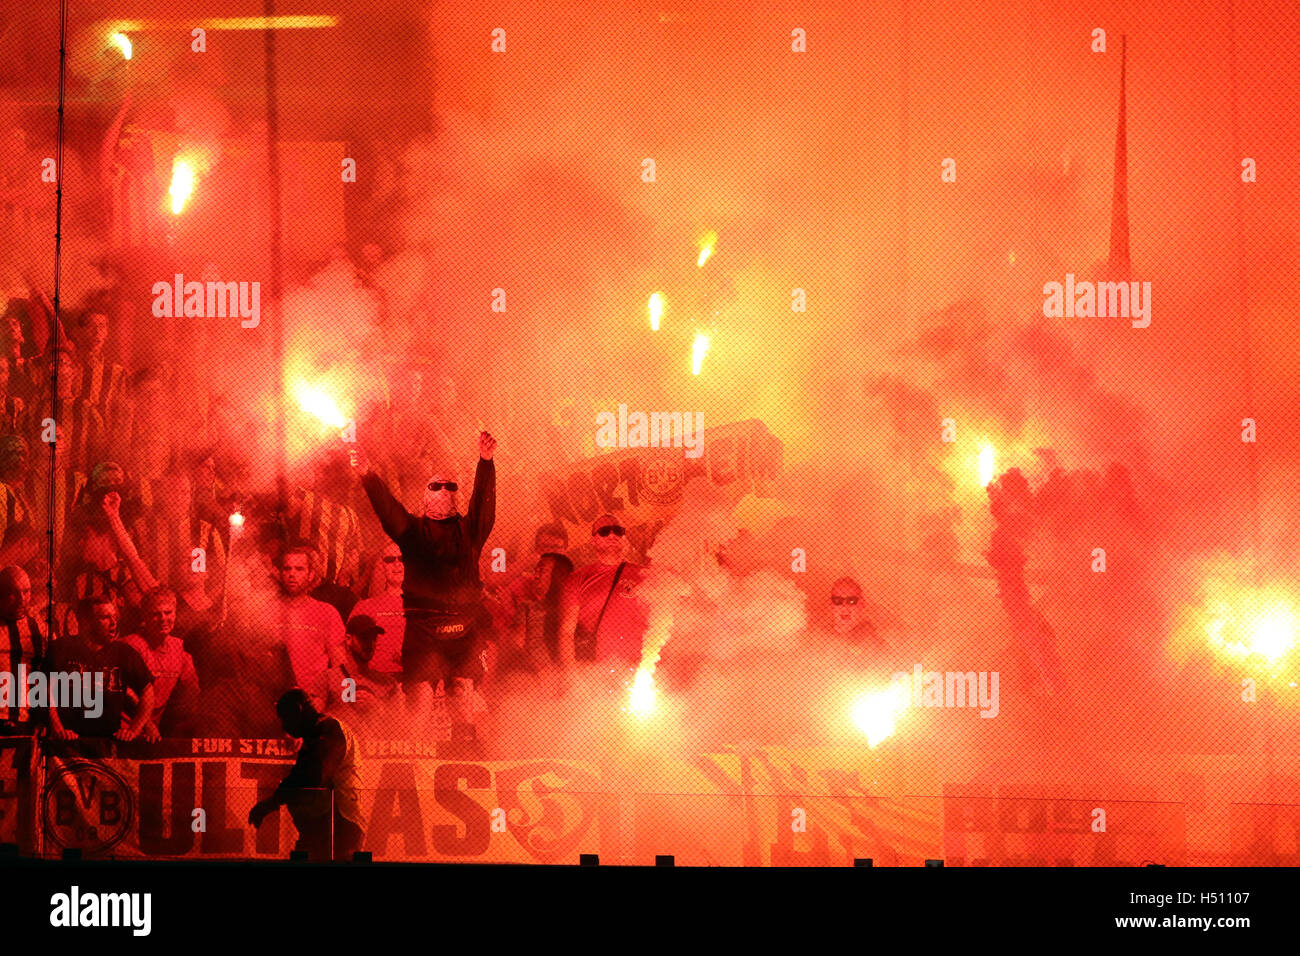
(385, 606)
(602, 618)
(440, 587)
(849, 615)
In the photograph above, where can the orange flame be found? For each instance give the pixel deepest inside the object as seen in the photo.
(123, 43)
(699, 348)
(876, 712)
(182, 186)
(641, 701)
(706, 248)
(656, 311)
(317, 403)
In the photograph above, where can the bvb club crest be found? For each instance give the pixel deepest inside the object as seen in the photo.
(662, 478)
(87, 806)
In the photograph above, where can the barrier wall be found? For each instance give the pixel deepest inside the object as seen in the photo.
(757, 807)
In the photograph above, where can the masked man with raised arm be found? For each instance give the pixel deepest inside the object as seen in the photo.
(441, 591)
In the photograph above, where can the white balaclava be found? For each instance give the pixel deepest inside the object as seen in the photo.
(441, 503)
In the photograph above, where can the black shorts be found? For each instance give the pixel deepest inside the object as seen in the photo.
(429, 661)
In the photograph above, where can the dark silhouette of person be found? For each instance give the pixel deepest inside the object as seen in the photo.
(325, 774)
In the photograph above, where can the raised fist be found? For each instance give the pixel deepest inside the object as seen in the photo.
(486, 445)
(357, 459)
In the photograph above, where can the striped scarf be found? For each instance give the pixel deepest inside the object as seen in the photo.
(28, 641)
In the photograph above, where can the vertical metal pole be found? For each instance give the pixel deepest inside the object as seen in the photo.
(54, 333)
(277, 250)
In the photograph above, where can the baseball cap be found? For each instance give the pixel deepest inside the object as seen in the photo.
(363, 625)
(106, 474)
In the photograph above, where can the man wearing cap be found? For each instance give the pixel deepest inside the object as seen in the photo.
(353, 683)
(602, 618)
(441, 588)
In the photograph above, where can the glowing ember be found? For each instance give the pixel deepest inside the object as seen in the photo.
(706, 248)
(236, 519)
(182, 186)
(875, 712)
(656, 311)
(698, 350)
(1272, 633)
(642, 699)
(316, 403)
(1253, 623)
(986, 465)
(123, 43)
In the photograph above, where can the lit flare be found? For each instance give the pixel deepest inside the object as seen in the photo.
(699, 349)
(123, 43)
(706, 248)
(641, 701)
(1269, 633)
(656, 311)
(320, 405)
(182, 185)
(875, 713)
(986, 461)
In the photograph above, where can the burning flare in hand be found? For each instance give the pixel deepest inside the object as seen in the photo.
(182, 186)
(656, 311)
(123, 43)
(706, 248)
(1262, 624)
(317, 403)
(699, 349)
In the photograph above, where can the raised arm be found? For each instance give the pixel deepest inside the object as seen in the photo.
(140, 573)
(108, 147)
(482, 512)
(394, 518)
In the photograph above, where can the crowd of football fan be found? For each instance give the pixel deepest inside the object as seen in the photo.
(198, 622)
